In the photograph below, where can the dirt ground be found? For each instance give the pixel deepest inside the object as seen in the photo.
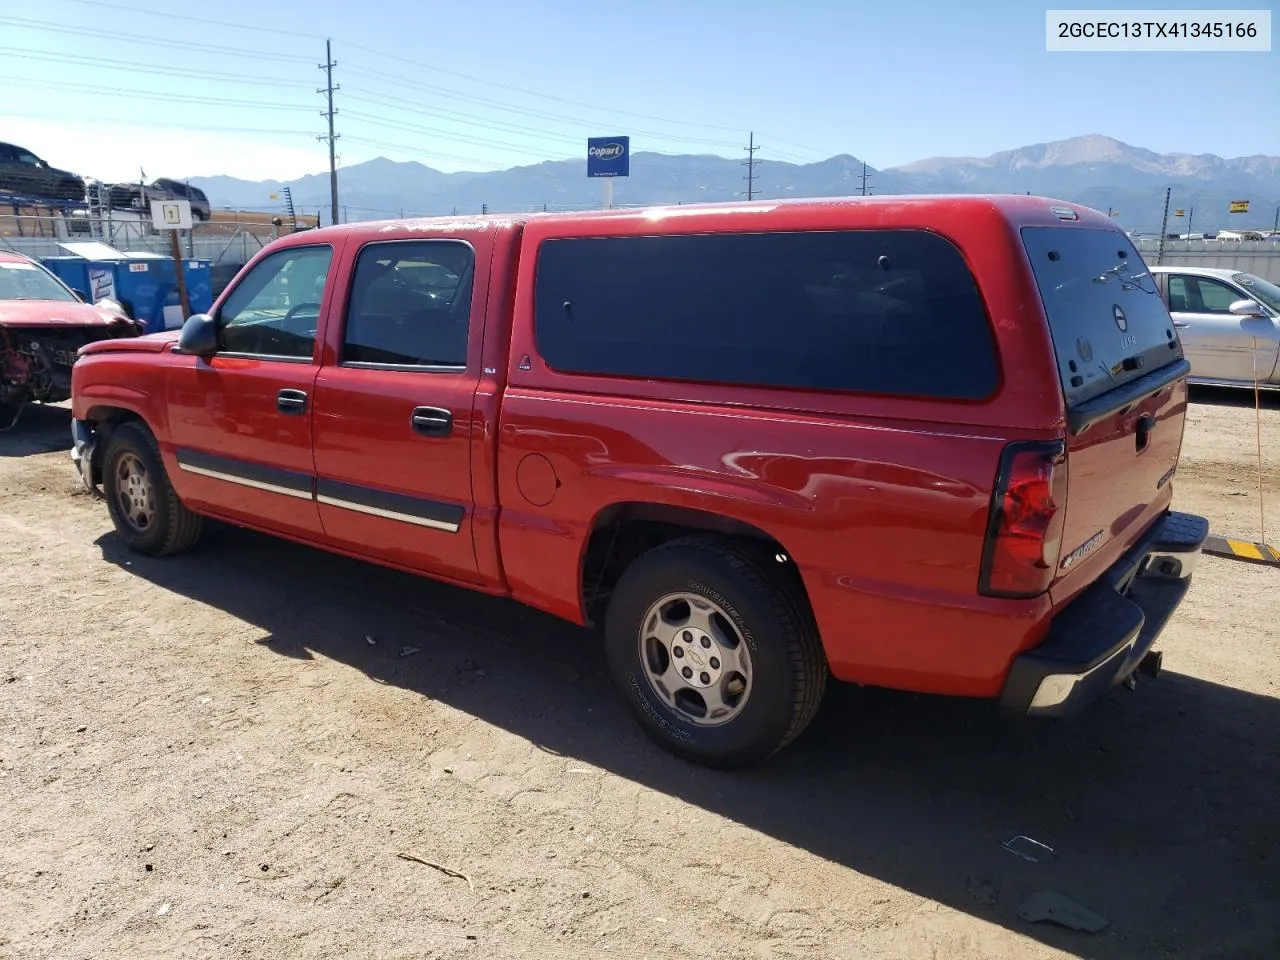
(207, 757)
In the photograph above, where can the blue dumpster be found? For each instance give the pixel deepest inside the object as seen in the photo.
(145, 284)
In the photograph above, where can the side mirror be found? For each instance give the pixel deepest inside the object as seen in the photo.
(199, 336)
(1246, 308)
(80, 295)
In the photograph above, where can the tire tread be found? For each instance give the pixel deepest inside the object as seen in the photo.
(183, 527)
(793, 623)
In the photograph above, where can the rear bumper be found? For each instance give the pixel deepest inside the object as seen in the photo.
(1101, 636)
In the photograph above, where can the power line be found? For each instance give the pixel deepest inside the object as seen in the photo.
(750, 164)
(18, 53)
(329, 114)
(823, 154)
(419, 152)
(440, 113)
(445, 135)
(120, 121)
(146, 94)
(117, 36)
(511, 108)
(190, 19)
(382, 54)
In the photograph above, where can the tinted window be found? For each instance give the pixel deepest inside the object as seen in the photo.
(274, 310)
(1108, 322)
(893, 312)
(410, 304)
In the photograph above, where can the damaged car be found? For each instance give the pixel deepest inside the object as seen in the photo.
(43, 324)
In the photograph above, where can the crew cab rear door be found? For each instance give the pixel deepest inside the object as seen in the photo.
(1123, 377)
(394, 430)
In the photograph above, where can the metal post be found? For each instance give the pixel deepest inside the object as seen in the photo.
(608, 192)
(1164, 226)
(182, 276)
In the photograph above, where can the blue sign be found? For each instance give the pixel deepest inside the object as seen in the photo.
(609, 157)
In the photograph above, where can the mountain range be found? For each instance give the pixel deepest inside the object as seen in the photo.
(1094, 170)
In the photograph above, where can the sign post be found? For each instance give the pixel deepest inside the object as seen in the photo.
(608, 157)
(174, 215)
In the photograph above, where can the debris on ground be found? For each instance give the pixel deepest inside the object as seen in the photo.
(447, 871)
(164, 909)
(1053, 907)
(1025, 847)
(370, 640)
(409, 651)
(982, 890)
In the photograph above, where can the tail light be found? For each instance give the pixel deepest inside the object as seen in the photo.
(1024, 532)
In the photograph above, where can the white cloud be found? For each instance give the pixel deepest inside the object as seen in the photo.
(114, 152)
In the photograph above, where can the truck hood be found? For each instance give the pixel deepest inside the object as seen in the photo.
(59, 313)
(148, 343)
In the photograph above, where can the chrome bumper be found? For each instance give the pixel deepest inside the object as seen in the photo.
(84, 441)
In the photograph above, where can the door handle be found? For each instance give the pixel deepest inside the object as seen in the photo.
(431, 421)
(292, 402)
(1181, 323)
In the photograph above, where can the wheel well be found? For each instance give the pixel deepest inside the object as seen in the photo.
(624, 531)
(105, 420)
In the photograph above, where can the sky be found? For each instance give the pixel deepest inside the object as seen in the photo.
(113, 89)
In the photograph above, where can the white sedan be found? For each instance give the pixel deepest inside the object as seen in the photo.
(1228, 322)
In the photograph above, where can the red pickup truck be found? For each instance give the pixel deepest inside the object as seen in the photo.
(917, 442)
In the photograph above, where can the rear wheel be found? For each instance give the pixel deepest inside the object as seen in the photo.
(146, 512)
(713, 646)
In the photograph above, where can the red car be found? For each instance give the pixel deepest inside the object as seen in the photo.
(925, 443)
(43, 322)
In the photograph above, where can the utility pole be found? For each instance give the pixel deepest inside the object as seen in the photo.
(1164, 226)
(864, 178)
(329, 114)
(1275, 227)
(750, 164)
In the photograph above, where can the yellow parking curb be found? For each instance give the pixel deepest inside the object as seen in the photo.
(1246, 550)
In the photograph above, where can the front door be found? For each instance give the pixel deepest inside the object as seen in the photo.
(393, 416)
(1219, 344)
(240, 422)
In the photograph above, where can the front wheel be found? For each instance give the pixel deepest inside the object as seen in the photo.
(713, 646)
(146, 512)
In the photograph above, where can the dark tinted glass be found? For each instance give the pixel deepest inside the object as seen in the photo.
(1108, 322)
(410, 304)
(894, 312)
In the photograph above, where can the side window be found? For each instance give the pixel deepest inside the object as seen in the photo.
(1179, 299)
(1217, 297)
(869, 311)
(274, 310)
(410, 304)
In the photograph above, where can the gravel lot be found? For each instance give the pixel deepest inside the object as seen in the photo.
(209, 757)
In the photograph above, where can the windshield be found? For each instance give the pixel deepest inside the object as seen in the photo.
(1109, 324)
(1264, 291)
(26, 281)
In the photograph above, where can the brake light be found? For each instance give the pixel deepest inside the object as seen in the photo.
(1024, 531)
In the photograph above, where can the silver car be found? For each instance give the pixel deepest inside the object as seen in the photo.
(1228, 321)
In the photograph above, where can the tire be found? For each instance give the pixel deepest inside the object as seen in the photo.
(146, 512)
(751, 597)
